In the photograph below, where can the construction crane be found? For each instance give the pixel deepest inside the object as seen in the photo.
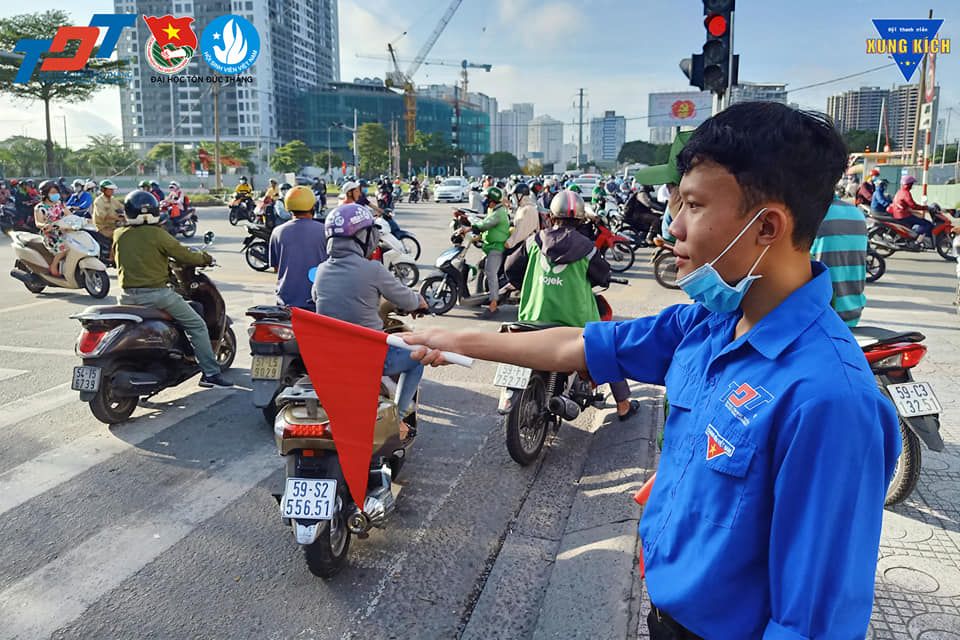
(399, 79)
(463, 64)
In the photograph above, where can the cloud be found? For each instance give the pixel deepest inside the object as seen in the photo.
(98, 115)
(363, 30)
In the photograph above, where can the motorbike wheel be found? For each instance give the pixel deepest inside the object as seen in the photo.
(256, 255)
(97, 283)
(189, 228)
(411, 246)
(327, 555)
(406, 273)
(527, 423)
(234, 216)
(907, 472)
(620, 256)
(944, 245)
(876, 265)
(665, 270)
(880, 240)
(110, 410)
(440, 292)
(228, 349)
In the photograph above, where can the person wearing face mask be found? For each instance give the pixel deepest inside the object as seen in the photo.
(49, 210)
(348, 286)
(765, 517)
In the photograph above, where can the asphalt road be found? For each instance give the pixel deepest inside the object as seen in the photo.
(164, 526)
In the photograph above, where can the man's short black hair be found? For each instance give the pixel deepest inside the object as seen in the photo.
(775, 153)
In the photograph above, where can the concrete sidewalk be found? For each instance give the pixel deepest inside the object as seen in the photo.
(567, 567)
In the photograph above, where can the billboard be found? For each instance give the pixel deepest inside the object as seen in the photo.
(683, 109)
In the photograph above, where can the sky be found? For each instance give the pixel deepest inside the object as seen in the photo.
(618, 51)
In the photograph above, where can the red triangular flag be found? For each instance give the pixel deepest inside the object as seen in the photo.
(345, 364)
(714, 448)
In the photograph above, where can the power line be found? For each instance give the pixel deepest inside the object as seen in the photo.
(852, 75)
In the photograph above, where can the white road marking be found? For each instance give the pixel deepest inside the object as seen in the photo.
(33, 405)
(59, 592)
(38, 351)
(28, 305)
(51, 468)
(6, 374)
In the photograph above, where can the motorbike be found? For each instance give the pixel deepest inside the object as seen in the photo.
(394, 256)
(876, 265)
(616, 248)
(664, 264)
(888, 235)
(131, 351)
(409, 241)
(536, 402)
(276, 362)
(315, 501)
(184, 224)
(81, 268)
(397, 194)
(241, 208)
(443, 291)
(256, 246)
(414, 194)
(265, 213)
(892, 356)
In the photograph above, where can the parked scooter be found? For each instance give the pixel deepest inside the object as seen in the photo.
(80, 269)
(889, 235)
(256, 247)
(892, 356)
(534, 402)
(131, 351)
(276, 362)
(315, 500)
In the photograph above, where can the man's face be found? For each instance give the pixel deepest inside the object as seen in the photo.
(108, 192)
(709, 218)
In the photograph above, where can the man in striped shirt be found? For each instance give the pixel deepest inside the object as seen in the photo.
(841, 244)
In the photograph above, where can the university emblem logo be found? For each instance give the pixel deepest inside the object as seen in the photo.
(717, 445)
(172, 43)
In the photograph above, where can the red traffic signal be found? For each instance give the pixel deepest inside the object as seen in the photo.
(716, 24)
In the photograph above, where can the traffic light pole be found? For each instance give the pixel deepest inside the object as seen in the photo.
(730, 68)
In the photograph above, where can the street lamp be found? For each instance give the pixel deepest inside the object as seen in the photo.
(356, 152)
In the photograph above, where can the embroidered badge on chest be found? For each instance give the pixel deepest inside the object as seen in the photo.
(743, 398)
(717, 445)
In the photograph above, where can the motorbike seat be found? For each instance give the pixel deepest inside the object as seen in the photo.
(877, 336)
(147, 313)
(35, 242)
(520, 327)
(882, 217)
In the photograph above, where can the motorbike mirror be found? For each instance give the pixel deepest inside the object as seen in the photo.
(209, 237)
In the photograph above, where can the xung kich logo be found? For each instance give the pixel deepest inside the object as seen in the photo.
(230, 44)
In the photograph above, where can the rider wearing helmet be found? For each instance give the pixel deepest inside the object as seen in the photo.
(562, 268)
(145, 186)
(81, 200)
(296, 247)
(348, 286)
(49, 210)
(280, 211)
(175, 198)
(526, 220)
(156, 190)
(881, 199)
(495, 229)
(243, 187)
(909, 213)
(573, 186)
(143, 251)
(107, 212)
(273, 191)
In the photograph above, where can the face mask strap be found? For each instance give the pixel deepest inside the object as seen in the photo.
(740, 235)
(755, 264)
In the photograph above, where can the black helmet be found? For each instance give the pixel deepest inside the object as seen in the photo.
(285, 186)
(243, 178)
(45, 187)
(155, 184)
(141, 207)
(273, 181)
(363, 182)
(521, 189)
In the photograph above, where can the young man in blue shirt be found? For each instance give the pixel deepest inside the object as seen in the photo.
(765, 518)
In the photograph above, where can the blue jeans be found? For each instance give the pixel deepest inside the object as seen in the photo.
(925, 226)
(398, 361)
(196, 329)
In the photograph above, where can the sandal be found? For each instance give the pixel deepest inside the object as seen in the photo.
(632, 411)
(407, 432)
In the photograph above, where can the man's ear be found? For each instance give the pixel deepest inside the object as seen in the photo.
(775, 223)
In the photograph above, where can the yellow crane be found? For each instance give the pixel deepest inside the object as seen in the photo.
(401, 80)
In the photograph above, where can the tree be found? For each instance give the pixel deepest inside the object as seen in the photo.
(643, 152)
(290, 157)
(106, 154)
(858, 140)
(532, 169)
(501, 163)
(432, 148)
(326, 158)
(48, 87)
(372, 146)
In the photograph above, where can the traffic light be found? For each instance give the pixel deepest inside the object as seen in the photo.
(716, 50)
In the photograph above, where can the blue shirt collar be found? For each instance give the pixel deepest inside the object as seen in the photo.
(779, 328)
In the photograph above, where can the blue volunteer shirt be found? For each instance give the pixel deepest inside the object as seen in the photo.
(296, 247)
(765, 517)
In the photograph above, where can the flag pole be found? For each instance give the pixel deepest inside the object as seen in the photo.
(452, 358)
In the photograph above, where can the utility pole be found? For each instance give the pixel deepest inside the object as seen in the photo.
(216, 131)
(946, 132)
(920, 99)
(580, 138)
(65, 143)
(328, 152)
(356, 152)
(883, 107)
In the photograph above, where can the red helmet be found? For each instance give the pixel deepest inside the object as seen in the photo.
(874, 171)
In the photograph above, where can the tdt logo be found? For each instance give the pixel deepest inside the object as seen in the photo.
(87, 36)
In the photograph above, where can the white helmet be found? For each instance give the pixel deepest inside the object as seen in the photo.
(349, 186)
(174, 184)
(89, 185)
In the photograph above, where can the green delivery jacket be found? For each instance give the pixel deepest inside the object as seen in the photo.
(495, 228)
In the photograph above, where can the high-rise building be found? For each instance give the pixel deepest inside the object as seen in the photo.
(299, 51)
(513, 123)
(607, 135)
(545, 140)
(860, 109)
(475, 101)
(758, 91)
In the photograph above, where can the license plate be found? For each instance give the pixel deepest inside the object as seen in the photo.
(914, 399)
(309, 499)
(86, 379)
(511, 376)
(266, 367)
